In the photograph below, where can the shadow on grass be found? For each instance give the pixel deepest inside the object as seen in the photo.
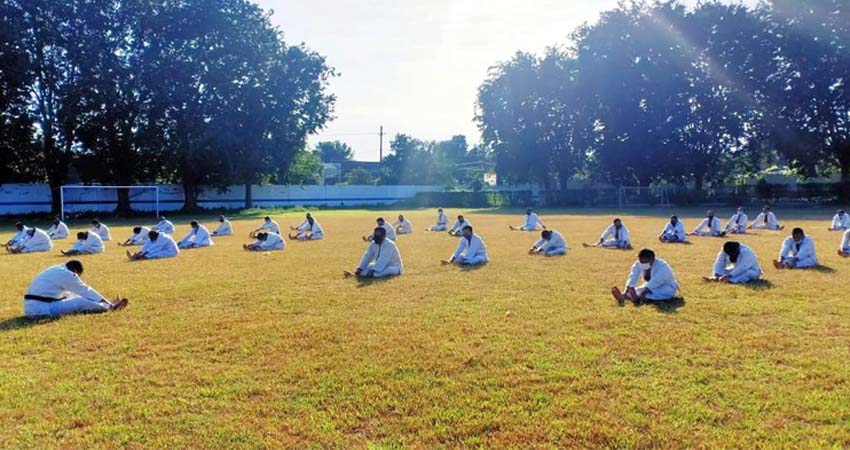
(759, 285)
(19, 323)
(678, 243)
(366, 282)
(666, 307)
(823, 269)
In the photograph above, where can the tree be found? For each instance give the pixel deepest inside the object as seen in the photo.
(305, 169)
(359, 177)
(335, 151)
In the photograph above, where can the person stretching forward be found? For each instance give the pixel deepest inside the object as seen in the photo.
(58, 230)
(840, 222)
(197, 237)
(798, 252)
(736, 263)
(88, 243)
(470, 251)
(615, 236)
(139, 237)
(532, 222)
(309, 230)
(224, 228)
(844, 249)
(59, 291)
(551, 243)
(158, 246)
(442, 222)
(659, 281)
(266, 242)
(674, 232)
(36, 240)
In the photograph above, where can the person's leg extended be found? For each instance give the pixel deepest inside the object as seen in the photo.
(77, 305)
(390, 271)
(556, 251)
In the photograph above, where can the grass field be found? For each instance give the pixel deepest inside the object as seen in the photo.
(222, 348)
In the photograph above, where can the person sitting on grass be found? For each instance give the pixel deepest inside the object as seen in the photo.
(266, 242)
(459, 225)
(844, 248)
(197, 237)
(139, 237)
(58, 230)
(159, 246)
(470, 251)
(710, 226)
(19, 237)
(268, 226)
(381, 259)
(659, 281)
(674, 231)
(615, 236)
(841, 221)
(736, 263)
(798, 252)
(382, 224)
(88, 243)
(163, 226)
(59, 291)
(551, 243)
(309, 230)
(532, 222)
(403, 226)
(225, 228)
(766, 221)
(442, 222)
(101, 229)
(36, 241)
(738, 223)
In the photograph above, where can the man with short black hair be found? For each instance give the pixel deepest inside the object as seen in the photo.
(101, 229)
(164, 226)
(266, 242)
(225, 228)
(470, 251)
(738, 223)
(531, 222)
(674, 232)
(710, 226)
(308, 230)
(88, 243)
(659, 281)
(59, 291)
(798, 252)
(381, 259)
(382, 224)
(19, 237)
(457, 228)
(139, 237)
(551, 243)
(159, 245)
(615, 236)
(197, 237)
(442, 222)
(736, 263)
(403, 226)
(58, 230)
(35, 241)
(841, 221)
(766, 221)
(268, 226)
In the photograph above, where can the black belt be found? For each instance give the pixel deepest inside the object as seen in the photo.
(40, 298)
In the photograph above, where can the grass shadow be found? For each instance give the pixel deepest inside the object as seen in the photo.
(19, 323)
(366, 282)
(677, 243)
(667, 306)
(823, 269)
(468, 268)
(759, 285)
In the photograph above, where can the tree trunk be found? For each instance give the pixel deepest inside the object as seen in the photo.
(844, 188)
(249, 195)
(190, 194)
(123, 201)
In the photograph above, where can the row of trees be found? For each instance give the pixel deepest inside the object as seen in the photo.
(196, 92)
(662, 93)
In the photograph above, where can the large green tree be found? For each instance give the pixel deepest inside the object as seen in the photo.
(334, 151)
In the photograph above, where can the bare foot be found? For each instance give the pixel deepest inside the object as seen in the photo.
(777, 264)
(118, 305)
(586, 245)
(709, 279)
(129, 255)
(347, 274)
(618, 296)
(444, 262)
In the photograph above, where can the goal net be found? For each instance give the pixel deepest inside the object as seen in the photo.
(644, 196)
(81, 198)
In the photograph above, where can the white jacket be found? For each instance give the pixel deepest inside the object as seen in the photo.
(384, 255)
(472, 248)
(91, 245)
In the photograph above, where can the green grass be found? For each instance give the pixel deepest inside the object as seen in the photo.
(221, 348)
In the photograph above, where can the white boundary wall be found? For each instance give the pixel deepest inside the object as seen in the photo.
(35, 198)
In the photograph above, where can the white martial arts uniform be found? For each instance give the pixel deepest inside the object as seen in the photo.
(840, 223)
(271, 227)
(614, 238)
(661, 281)
(19, 237)
(197, 237)
(766, 222)
(532, 222)
(737, 223)
(442, 223)
(458, 226)
(307, 232)
(800, 256)
(102, 231)
(57, 291)
(224, 229)
(57, 232)
(163, 247)
(403, 227)
(470, 251)
(165, 226)
(273, 242)
(384, 259)
(38, 242)
(745, 270)
(141, 237)
(556, 245)
(709, 227)
(674, 233)
(845, 242)
(89, 246)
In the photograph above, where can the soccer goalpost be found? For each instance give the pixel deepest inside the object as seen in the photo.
(99, 198)
(643, 196)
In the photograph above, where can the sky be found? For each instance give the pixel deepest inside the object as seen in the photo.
(414, 66)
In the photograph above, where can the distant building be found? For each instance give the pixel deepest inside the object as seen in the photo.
(337, 172)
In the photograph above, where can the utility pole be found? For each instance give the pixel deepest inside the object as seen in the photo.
(381, 145)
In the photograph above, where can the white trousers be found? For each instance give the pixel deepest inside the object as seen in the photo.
(473, 261)
(439, 228)
(389, 271)
(615, 244)
(312, 237)
(764, 226)
(661, 293)
(556, 251)
(805, 263)
(71, 305)
(746, 277)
